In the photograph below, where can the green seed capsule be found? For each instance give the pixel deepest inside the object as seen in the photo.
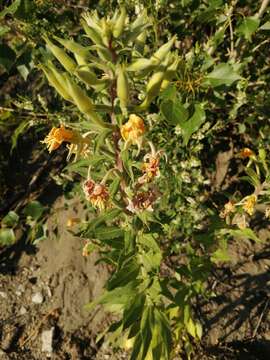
(61, 56)
(92, 33)
(141, 64)
(55, 83)
(120, 23)
(122, 88)
(82, 101)
(161, 53)
(73, 47)
(88, 77)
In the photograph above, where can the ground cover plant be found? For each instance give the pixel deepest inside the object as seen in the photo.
(162, 109)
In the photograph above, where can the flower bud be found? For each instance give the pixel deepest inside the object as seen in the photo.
(82, 101)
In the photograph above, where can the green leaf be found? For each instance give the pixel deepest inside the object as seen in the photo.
(7, 56)
(7, 237)
(18, 131)
(3, 30)
(24, 71)
(127, 163)
(107, 216)
(25, 9)
(81, 166)
(220, 255)
(34, 209)
(133, 312)
(11, 219)
(10, 9)
(223, 74)
(174, 112)
(128, 272)
(108, 233)
(265, 26)
(194, 123)
(245, 233)
(118, 296)
(248, 27)
(191, 328)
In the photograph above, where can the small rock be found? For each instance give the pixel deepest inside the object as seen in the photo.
(22, 310)
(20, 290)
(37, 298)
(3, 294)
(47, 340)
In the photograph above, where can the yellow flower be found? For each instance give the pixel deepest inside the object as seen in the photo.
(133, 130)
(249, 204)
(57, 136)
(246, 153)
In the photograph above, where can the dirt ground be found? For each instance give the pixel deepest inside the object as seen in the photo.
(43, 291)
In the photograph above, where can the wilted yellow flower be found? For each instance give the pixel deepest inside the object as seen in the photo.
(150, 168)
(97, 194)
(267, 212)
(246, 153)
(229, 208)
(142, 201)
(133, 130)
(86, 249)
(72, 221)
(57, 136)
(249, 204)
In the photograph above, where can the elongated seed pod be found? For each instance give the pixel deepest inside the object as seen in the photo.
(55, 83)
(122, 88)
(170, 73)
(161, 53)
(66, 61)
(80, 60)
(120, 23)
(81, 100)
(140, 42)
(87, 76)
(103, 52)
(141, 64)
(154, 84)
(92, 33)
(73, 47)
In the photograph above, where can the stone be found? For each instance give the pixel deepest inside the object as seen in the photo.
(37, 298)
(47, 340)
